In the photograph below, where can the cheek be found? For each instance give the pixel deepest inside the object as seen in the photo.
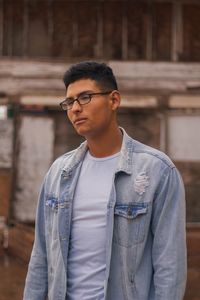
(68, 115)
(101, 111)
(102, 118)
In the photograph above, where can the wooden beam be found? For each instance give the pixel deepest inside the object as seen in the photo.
(25, 28)
(10, 30)
(149, 45)
(179, 1)
(17, 76)
(1, 27)
(124, 33)
(99, 46)
(177, 31)
(50, 26)
(75, 29)
(185, 101)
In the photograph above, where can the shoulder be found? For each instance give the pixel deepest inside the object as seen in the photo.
(68, 160)
(156, 165)
(53, 175)
(151, 153)
(142, 156)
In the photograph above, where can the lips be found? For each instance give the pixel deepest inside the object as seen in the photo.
(79, 121)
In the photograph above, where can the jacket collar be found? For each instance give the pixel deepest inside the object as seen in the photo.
(76, 157)
(125, 159)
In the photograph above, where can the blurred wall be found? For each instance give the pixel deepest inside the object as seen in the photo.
(154, 50)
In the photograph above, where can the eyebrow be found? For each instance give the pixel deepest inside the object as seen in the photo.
(81, 93)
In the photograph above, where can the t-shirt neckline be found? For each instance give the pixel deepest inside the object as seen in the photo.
(89, 156)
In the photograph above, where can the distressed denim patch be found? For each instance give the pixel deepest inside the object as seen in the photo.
(55, 204)
(141, 182)
(52, 202)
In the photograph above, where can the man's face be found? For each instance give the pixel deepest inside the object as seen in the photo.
(94, 118)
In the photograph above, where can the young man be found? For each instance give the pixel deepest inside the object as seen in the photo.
(111, 214)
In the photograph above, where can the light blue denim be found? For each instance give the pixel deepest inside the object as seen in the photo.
(146, 241)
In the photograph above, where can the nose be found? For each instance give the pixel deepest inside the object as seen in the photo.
(76, 106)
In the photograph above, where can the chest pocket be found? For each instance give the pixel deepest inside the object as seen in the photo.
(130, 223)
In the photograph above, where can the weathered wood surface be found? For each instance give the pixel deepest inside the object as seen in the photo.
(34, 159)
(22, 77)
(20, 241)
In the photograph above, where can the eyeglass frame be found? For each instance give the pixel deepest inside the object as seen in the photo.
(83, 94)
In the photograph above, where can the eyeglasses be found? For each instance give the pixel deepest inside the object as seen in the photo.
(81, 99)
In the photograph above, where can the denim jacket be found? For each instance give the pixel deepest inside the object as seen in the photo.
(145, 243)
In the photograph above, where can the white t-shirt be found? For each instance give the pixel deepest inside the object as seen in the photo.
(87, 251)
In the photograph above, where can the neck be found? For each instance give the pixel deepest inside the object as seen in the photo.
(107, 144)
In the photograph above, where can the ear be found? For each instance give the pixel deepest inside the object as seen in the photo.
(115, 98)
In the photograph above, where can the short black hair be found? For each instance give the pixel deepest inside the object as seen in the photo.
(99, 72)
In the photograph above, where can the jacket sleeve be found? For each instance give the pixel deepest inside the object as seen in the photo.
(169, 237)
(36, 280)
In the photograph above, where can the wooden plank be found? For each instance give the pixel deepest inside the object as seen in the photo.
(185, 101)
(38, 38)
(65, 34)
(179, 1)
(50, 25)
(137, 30)
(149, 43)
(87, 26)
(139, 101)
(25, 28)
(161, 31)
(75, 30)
(1, 27)
(10, 29)
(150, 70)
(100, 22)
(191, 33)
(7, 28)
(124, 33)
(112, 32)
(177, 32)
(24, 77)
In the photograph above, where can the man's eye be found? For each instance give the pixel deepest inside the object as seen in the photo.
(70, 101)
(84, 97)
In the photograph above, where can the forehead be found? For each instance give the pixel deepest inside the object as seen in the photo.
(82, 85)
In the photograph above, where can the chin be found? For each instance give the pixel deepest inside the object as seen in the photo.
(82, 132)
(87, 132)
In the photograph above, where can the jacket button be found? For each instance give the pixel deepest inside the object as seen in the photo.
(129, 211)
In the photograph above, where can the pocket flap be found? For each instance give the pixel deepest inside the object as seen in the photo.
(132, 210)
